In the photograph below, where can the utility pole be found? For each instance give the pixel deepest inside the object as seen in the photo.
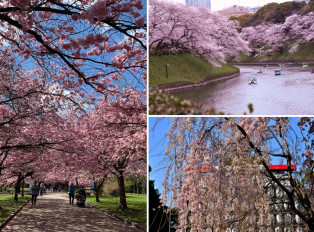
(167, 65)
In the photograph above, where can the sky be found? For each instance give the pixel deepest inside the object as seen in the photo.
(221, 4)
(157, 146)
(158, 126)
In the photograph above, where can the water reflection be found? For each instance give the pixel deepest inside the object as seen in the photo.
(288, 94)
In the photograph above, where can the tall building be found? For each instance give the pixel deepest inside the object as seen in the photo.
(282, 217)
(203, 3)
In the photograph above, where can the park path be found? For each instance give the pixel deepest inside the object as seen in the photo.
(54, 213)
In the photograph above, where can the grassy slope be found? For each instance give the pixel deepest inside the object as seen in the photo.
(183, 68)
(136, 204)
(8, 206)
(305, 51)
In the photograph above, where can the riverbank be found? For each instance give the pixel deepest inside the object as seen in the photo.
(304, 54)
(172, 72)
(185, 85)
(273, 62)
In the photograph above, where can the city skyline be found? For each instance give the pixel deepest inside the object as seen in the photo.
(216, 5)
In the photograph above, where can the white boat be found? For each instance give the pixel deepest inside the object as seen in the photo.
(304, 66)
(252, 80)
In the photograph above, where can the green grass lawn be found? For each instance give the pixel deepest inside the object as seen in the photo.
(8, 206)
(183, 68)
(136, 204)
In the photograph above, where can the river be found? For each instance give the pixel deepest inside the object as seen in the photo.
(291, 93)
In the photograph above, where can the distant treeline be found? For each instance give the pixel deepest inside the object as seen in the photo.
(275, 13)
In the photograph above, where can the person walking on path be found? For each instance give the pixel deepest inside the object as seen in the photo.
(41, 188)
(35, 192)
(71, 192)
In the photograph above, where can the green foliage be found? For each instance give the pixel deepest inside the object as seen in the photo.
(136, 211)
(286, 9)
(183, 68)
(135, 184)
(275, 13)
(111, 188)
(157, 216)
(132, 184)
(233, 18)
(6, 189)
(250, 106)
(265, 14)
(8, 205)
(245, 20)
(311, 4)
(128, 185)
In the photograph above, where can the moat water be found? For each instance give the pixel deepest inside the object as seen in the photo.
(291, 93)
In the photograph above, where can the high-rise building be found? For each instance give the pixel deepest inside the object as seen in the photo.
(203, 3)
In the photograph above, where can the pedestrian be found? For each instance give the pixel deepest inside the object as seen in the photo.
(35, 192)
(41, 188)
(82, 192)
(71, 192)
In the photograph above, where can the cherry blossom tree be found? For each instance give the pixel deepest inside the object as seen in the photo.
(30, 111)
(116, 140)
(109, 141)
(91, 42)
(195, 30)
(60, 60)
(269, 37)
(219, 169)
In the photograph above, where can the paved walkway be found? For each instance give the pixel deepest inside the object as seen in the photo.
(54, 213)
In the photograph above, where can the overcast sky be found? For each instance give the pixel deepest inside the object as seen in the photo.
(221, 4)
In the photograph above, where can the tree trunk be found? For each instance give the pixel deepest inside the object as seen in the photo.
(123, 204)
(20, 179)
(311, 226)
(97, 194)
(98, 185)
(17, 189)
(137, 187)
(97, 190)
(16, 196)
(22, 194)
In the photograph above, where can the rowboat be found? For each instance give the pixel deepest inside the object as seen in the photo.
(277, 72)
(252, 80)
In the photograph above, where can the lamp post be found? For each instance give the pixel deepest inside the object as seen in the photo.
(167, 65)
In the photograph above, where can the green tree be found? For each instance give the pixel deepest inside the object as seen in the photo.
(158, 220)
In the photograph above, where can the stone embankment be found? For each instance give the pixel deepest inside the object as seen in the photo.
(184, 85)
(272, 62)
